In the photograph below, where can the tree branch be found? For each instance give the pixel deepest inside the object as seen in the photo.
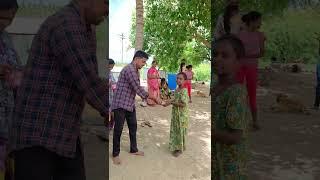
(198, 37)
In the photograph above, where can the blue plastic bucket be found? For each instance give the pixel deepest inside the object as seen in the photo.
(172, 83)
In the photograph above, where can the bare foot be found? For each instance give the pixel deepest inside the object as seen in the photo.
(177, 153)
(139, 153)
(116, 160)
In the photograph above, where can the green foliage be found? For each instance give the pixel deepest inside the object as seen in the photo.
(289, 32)
(195, 54)
(291, 36)
(133, 30)
(202, 72)
(171, 25)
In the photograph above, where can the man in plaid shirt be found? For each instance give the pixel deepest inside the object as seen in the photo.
(61, 73)
(123, 104)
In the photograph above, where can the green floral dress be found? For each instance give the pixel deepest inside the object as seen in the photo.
(179, 122)
(231, 111)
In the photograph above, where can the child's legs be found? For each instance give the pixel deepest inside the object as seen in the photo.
(189, 89)
(251, 78)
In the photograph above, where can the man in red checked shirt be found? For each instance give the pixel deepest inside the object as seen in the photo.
(60, 75)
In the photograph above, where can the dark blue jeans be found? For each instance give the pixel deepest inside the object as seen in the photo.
(317, 99)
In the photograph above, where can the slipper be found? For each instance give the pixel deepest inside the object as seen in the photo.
(148, 123)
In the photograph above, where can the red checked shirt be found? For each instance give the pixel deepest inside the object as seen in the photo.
(128, 86)
(61, 74)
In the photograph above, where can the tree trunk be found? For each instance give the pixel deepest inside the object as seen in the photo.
(139, 25)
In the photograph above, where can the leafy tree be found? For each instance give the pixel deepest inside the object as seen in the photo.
(172, 27)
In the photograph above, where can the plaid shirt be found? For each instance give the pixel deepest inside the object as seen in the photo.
(128, 86)
(61, 73)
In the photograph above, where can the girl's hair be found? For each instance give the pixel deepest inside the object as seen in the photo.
(189, 66)
(163, 81)
(235, 42)
(228, 13)
(111, 61)
(181, 65)
(183, 74)
(251, 17)
(8, 4)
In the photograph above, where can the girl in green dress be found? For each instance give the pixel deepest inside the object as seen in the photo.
(231, 113)
(180, 118)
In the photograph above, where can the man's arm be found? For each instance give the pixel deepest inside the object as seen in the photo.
(71, 46)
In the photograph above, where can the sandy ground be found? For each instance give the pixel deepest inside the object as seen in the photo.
(287, 148)
(158, 163)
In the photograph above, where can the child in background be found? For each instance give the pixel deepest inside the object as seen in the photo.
(112, 87)
(179, 117)
(231, 112)
(165, 92)
(188, 83)
(253, 41)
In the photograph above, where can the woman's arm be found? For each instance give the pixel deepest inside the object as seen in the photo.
(228, 137)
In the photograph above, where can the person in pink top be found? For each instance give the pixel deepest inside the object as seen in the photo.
(188, 83)
(153, 85)
(253, 41)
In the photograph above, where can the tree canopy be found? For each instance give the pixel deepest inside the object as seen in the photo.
(176, 30)
(181, 29)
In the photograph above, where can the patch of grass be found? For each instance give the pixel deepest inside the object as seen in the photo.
(291, 36)
(202, 72)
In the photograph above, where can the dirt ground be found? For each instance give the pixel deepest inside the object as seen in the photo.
(158, 163)
(287, 147)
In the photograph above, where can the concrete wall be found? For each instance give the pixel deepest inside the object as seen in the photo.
(23, 43)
